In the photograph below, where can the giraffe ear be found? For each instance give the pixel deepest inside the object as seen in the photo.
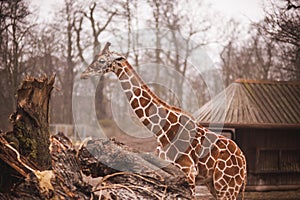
(106, 48)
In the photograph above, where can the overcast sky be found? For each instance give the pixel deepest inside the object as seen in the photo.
(244, 10)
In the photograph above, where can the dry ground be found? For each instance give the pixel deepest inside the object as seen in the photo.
(203, 194)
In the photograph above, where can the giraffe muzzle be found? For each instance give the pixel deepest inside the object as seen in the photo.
(85, 75)
(89, 73)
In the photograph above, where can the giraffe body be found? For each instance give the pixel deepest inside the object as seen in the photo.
(202, 155)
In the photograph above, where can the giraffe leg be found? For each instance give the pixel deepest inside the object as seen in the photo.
(192, 184)
(193, 190)
(227, 180)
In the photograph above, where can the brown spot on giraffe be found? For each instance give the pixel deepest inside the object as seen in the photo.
(228, 162)
(239, 180)
(165, 125)
(144, 102)
(137, 92)
(164, 140)
(172, 118)
(231, 147)
(126, 85)
(173, 131)
(139, 112)
(135, 103)
(184, 160)
(146, 122)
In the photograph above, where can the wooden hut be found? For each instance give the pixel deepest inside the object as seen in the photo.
(263, 117)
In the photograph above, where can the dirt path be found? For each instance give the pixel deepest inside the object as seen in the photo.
(203, 194)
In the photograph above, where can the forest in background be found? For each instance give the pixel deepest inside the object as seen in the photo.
(269, 50)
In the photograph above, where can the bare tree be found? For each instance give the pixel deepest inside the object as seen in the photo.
(271, 50)
(182, 28)
(66, 72)
(228, 53)
(77, 27)
(47, 58)
(283, 25)
(292, 5)
(264, 50)
(13, 30)
(97, 28)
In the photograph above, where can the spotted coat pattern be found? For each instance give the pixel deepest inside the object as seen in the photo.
(204, 156)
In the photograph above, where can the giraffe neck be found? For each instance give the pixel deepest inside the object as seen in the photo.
(154, 113)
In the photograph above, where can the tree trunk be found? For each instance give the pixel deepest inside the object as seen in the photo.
(30, 133)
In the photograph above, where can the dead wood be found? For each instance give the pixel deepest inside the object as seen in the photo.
(15, 168)
(121, 172)
(64, 181)
(10, 156)
(30, 133)
(67, 182)
(127, 173)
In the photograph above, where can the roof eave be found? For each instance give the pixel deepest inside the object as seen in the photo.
(247, 125)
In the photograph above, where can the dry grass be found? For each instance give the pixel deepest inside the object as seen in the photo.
(203, 194)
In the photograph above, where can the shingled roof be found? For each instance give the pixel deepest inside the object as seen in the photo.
(250, 102)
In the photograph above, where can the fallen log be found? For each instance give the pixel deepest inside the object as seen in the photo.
(67, 181)
(127, 173)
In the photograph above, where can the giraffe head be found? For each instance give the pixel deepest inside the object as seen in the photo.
(103, 63)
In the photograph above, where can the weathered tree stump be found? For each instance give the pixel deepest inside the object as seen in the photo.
(30, 133)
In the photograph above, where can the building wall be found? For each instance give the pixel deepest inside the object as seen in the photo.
(273, 155)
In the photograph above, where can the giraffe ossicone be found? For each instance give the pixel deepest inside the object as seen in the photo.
(203, 156)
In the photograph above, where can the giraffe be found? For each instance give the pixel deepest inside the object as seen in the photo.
(204, 156)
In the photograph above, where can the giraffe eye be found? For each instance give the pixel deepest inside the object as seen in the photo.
(102, 61)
